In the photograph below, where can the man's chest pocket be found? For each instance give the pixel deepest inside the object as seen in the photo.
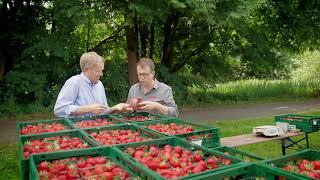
(85, 98)
(158, 100)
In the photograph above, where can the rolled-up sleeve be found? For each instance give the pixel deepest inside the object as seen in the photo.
(65, 105)
(170, 103)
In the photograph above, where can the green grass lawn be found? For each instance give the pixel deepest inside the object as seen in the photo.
(9, 161)
(29, 117)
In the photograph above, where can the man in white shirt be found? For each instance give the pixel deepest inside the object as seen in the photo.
(84, 94)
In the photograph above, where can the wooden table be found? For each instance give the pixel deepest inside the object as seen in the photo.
(246, 139)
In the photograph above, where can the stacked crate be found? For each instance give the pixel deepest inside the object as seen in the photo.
(34, 140)
(139, 151)
(201, 135)
(305, 123)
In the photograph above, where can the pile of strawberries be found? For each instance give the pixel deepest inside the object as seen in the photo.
(42, 128)
(171, 129)
(81, 168)
(93, 123)
(52, 144)
(119, 136)
(173, 162)
(137, 118)
(305, 167)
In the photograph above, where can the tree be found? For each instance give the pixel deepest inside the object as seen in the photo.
(290, 25)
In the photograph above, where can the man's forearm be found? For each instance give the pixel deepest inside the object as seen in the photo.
(82, 110)
(162, 109)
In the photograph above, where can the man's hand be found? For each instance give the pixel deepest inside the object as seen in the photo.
(96, 108)
(153, 106)
(121, 107)
(134, 102)
(90, 109)
(148, 106)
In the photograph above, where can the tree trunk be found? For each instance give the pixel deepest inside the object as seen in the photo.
(131, 40)
(168, 46)
(136, 34)
(88, 34)
(7, 57)
(151, 41)
(4, 29)
(88, 4)
(143, 39)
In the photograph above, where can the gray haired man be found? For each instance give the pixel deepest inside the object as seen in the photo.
(84, 94)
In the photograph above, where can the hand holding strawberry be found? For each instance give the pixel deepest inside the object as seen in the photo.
(121, 107)
(135, 103)
(148, 106)
(96, 108)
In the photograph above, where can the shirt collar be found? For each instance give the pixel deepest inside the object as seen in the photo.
(155, 85)
(86, 79)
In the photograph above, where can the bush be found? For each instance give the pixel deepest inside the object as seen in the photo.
(116, 82)
(308, 66)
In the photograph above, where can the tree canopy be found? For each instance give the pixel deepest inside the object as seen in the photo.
(209, 40)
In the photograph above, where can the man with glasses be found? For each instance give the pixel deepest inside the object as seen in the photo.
(156, 96)
(84, 94)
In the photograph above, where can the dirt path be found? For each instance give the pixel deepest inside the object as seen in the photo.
(233, 112)
(8, 130)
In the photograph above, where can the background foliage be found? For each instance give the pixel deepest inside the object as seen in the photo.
(196, 44)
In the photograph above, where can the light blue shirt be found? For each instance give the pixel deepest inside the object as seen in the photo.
(78, 91)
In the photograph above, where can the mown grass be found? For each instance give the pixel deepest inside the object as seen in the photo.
(9, 162)
(29, 117)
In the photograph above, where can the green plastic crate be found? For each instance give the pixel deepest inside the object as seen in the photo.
(143, 132)
(303, 122)
(248, 172)
(244, 156)
(174, 141)
(75, 120)
(25, 162)
(151, 116)
(207, 138)
(202, 135)
(280, 162)
(118, 158)
(65, 122)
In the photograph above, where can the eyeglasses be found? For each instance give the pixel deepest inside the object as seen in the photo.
(144, 75)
